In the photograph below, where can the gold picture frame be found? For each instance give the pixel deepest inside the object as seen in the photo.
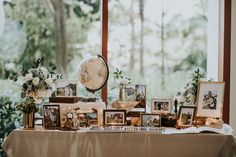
(210, 99)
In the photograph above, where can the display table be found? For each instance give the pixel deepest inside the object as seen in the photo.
(54, 143)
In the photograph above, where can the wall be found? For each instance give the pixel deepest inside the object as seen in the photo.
(233, 69)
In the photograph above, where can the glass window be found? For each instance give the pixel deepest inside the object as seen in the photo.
(157, 42)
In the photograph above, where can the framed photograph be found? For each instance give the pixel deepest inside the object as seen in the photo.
(210, 99)
(130, 92)
(133, 118)
(141, 97)
(65, 88)
(85, 119)
(114, 117)
(161, 106)
(51, 116)
(150, 120)
(186, 116)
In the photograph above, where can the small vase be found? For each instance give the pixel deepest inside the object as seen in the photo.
(122, 94)
(28, 120)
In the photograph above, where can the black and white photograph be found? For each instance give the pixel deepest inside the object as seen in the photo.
(141, 98)
(51, 116)
(210, 99)
(130, 92)
(161, 106)
(186, 116)
(150, 120)
(65, 88)
(114, 117)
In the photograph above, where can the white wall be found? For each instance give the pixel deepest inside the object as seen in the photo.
(233, 69)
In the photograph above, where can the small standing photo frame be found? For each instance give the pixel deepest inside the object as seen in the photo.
(210, 99)
(150, 120)
(51, 116)
(114, 117)
(161, 106)
(186, 116)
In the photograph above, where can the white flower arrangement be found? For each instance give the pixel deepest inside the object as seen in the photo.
(120, 80)
(38, 82)
(187, 95)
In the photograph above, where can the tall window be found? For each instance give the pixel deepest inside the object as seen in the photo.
(157, 42)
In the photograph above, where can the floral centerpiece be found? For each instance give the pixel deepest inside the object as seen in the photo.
(187, 95)
(121, 82)
(37, 83)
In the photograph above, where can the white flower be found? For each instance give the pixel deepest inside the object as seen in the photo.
(44, 71)
(124, 81)
(28, 77)
(49, 81)
(35, 81)
(48, 93)
(38, 101)
(10, 67)
(181, 98)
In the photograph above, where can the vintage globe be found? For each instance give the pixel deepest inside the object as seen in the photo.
(93, 73)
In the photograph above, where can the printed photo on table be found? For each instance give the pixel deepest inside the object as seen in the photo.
(210, 99)
(130, 92)
(186, 116)
(51, 116)
(161, 106)
(65, 88)
(114, 117)
(150, 120)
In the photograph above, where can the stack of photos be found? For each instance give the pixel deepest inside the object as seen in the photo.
(65, 88)
(51, 116)
(150, 120)
(114, 117)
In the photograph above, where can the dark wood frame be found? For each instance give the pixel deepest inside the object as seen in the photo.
(59, 125)
(178, 119)
(104, 117)
(150, 114)
(226, 63)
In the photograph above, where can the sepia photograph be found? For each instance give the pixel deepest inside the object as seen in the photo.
(130, 92)
(51, 116)
(186, 116)
(141, 97)
(114, 117)
(65, 88)
(150, 120)
(161, 106)
(85, 120)
(210, 99)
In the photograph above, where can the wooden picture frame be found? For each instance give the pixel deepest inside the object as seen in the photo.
(51, 117)
(114, 117)
(150, 120)
(210, 99)
(160, 106)
(186, 116)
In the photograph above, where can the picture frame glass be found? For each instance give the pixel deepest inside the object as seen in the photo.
(210, 99)
(161, 106)
(51, 116)
(186, 116)
(151, 120)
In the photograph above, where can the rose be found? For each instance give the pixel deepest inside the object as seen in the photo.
(10, 67)
(28, 77)
(35, 81)
(49, 81)
(44, 71)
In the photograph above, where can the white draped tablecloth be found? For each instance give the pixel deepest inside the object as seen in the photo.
(55, 143)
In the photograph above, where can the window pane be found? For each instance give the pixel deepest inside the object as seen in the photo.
(32, 30)
(156, 42)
